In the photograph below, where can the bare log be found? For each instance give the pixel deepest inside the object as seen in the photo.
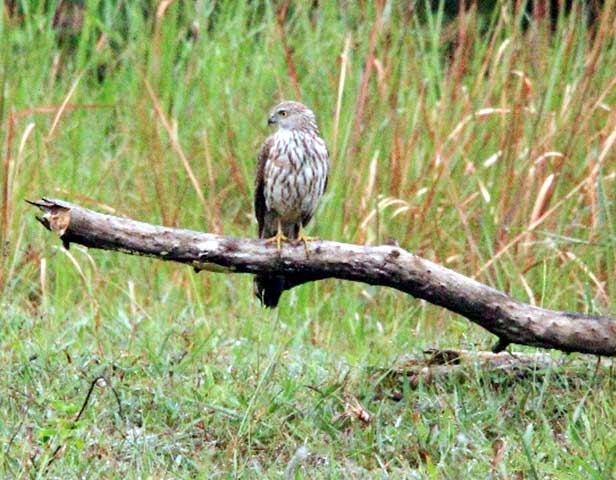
(456, 365)
(510, 320)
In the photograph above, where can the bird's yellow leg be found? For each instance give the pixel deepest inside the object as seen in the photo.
(302, 237)
(278, 238)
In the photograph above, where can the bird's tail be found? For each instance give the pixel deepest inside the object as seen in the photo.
(268, 289)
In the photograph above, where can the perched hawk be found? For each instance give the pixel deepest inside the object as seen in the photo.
(291, 178)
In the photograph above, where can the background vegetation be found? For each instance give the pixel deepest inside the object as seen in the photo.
(483, 141)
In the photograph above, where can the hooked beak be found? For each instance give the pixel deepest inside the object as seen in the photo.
(271, 120)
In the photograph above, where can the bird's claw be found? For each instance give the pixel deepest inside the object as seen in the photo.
(277, 239)
(305, 239)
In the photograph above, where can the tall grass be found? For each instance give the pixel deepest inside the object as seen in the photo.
(484, 141)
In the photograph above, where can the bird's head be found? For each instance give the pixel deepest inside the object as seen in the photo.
(290, 115)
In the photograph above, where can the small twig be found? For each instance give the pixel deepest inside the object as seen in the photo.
(12, 439)
(93, 384)
(14, 435)
(87, 399)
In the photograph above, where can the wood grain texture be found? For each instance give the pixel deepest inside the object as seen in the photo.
(509, 319)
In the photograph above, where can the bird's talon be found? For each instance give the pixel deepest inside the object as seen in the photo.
(305, 239)
(277, 239)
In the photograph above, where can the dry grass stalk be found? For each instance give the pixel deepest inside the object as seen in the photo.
(7, 204)
(288, 51)
(344, 61)
(176, 145)
(63, 106)
(362, 97)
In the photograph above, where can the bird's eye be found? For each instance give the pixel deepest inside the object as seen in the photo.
(282, 113)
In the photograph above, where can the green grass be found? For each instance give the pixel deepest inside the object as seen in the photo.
(442, 142)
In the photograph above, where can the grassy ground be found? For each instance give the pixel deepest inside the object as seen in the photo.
(484, 143)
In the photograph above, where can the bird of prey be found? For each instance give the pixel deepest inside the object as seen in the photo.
(292, 172)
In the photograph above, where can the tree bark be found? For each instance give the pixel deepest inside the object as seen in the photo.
(510, 320)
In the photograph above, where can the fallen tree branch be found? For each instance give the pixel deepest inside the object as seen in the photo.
(456, 365)
(509, 319)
